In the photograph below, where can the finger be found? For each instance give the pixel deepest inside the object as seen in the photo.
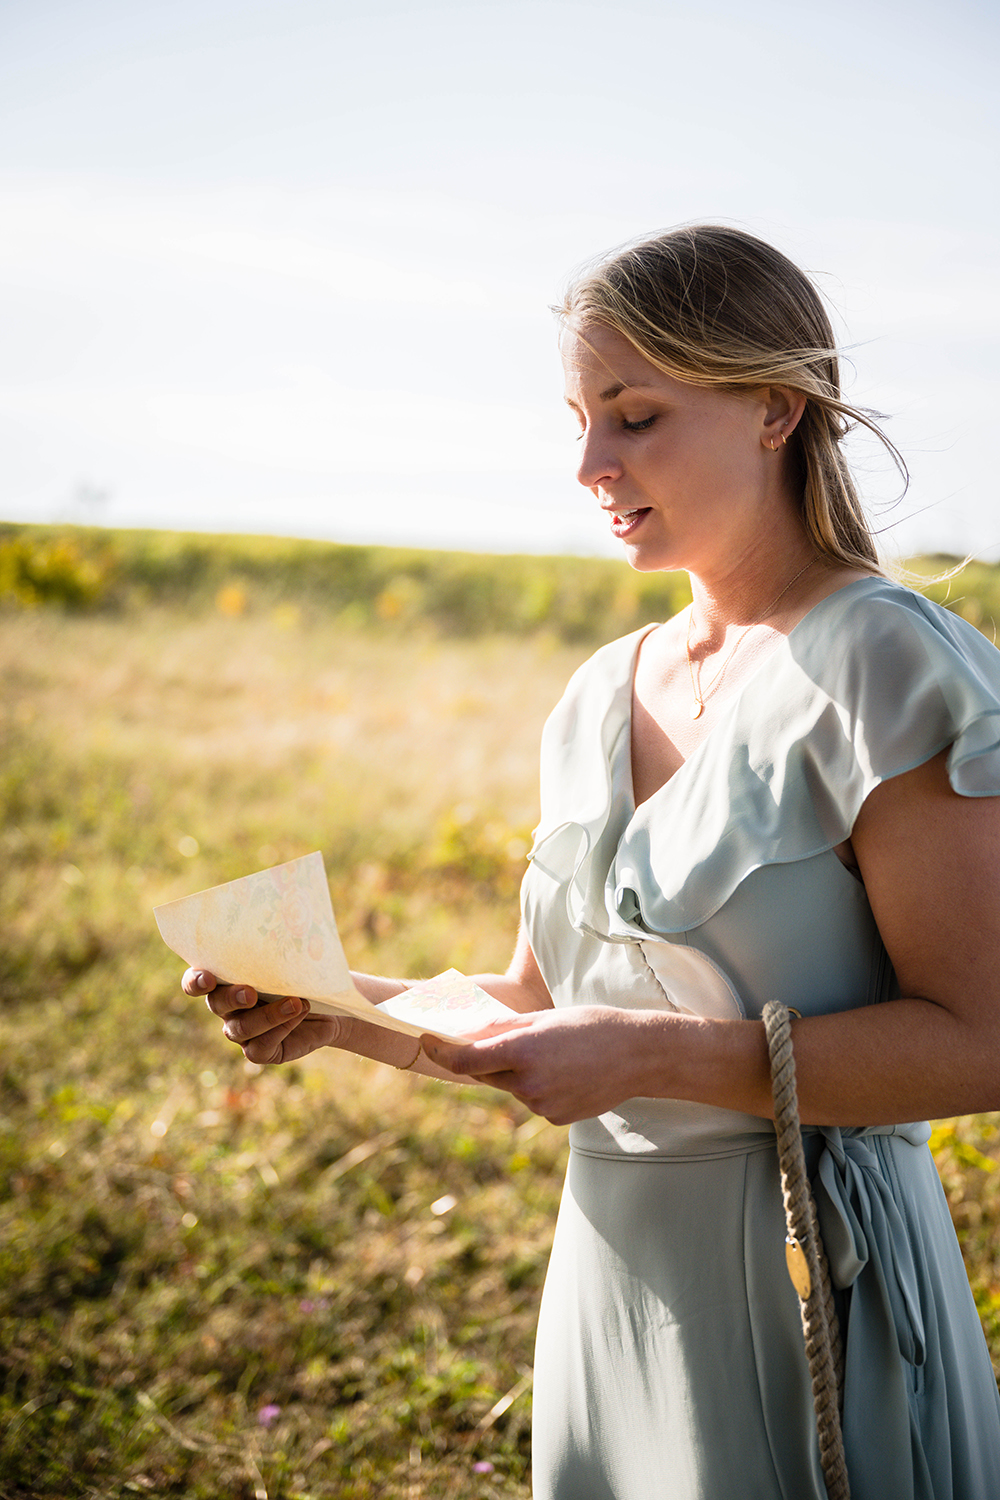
(514, 1085)
(296, 1038)
(511, 1083)
(447, 1054)
(281, 1016)
(228, 998)
(270, 1048)
(197, 981)
(492, 1055)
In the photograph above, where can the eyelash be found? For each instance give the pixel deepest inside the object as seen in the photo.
(642, 426)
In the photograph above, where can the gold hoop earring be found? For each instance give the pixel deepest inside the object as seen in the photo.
(784, 439)
(773, 446)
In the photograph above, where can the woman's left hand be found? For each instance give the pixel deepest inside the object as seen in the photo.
(567, 1065)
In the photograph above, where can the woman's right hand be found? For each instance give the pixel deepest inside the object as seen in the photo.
(279, 1031)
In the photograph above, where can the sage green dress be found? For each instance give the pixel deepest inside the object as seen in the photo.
(669, 1362)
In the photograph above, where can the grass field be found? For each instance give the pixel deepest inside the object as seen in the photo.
(186, 1242)
(319, 1281)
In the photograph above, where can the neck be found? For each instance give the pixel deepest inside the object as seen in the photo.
(763, 580)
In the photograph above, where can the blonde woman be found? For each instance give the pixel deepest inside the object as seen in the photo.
(790, 791)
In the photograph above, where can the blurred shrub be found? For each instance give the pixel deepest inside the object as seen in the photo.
(583, 600)
(36, 568)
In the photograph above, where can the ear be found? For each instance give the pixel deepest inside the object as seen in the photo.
(783, 410)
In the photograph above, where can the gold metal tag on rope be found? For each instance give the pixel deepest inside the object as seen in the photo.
(798, 1267)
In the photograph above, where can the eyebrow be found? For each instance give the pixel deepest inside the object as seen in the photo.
(613, 391)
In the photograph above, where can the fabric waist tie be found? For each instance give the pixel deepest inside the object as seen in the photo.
(869, 1252)
(864, 1229)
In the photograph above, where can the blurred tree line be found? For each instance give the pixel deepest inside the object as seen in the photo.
(572, 599)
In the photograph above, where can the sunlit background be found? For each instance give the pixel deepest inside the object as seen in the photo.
(285, 265)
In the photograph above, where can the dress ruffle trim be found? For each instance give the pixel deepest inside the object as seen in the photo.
(874, 681)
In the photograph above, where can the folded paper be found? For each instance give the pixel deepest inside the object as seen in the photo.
(449, 1004)
(275, 931)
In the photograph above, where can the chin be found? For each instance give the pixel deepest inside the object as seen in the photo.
(646, 560)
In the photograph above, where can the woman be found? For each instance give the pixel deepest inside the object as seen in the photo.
(789, 791)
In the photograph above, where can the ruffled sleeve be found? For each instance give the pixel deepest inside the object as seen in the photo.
(874, 681)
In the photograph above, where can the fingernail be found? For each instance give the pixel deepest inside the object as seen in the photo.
(241, 997)
(289, 1008)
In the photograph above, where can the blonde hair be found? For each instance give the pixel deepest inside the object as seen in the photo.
(714, 306)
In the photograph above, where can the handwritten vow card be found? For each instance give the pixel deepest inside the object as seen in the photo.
(275, 931)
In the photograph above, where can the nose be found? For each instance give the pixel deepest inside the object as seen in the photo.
(599, 461)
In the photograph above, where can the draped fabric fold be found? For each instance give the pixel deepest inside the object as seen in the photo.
(783, 774)
(863, 1230)
(886, 1342)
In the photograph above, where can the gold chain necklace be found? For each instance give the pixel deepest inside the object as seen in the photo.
(698, 706)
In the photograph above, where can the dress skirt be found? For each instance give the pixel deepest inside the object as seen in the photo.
(670, 1362)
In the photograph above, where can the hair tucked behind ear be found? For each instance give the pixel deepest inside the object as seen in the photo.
(716, 307)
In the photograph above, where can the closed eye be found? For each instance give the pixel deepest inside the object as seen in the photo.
(638, 426)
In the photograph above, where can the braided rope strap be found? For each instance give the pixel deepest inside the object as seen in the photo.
(807, 1262)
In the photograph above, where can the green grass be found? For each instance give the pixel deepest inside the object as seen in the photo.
(187, 1241)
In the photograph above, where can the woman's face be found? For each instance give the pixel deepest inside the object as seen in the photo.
(681, 470)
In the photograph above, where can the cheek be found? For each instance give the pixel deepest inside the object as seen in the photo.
(726, 458)
(704, 469)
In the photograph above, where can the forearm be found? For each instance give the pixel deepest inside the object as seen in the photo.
(399, 1049)
(883, 1064)
(509, 989)
(521, 988)
(396, 1048)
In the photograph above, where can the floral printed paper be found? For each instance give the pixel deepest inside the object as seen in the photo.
(450, 1002)
(276, 931)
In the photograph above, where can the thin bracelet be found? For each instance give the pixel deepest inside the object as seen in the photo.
(412, 1061)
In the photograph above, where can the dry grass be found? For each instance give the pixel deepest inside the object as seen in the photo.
(186, 1242)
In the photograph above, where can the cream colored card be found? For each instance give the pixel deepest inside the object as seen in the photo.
(450, 1004)
(276, 931)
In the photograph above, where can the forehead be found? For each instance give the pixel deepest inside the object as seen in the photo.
(595, 357)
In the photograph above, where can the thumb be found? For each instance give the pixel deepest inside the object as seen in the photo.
(477, 1058)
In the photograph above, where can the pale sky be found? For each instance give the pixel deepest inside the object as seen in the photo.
(285, 265)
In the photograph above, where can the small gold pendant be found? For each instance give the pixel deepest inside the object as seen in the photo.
(697, 709)
(798, 1267)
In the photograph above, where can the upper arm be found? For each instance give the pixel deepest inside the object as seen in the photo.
(930, 861)
(522, 987)
(524, 970)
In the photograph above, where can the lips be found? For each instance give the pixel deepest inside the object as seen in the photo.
(624, 522)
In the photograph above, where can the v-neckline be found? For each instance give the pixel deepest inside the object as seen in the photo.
(732, 702)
